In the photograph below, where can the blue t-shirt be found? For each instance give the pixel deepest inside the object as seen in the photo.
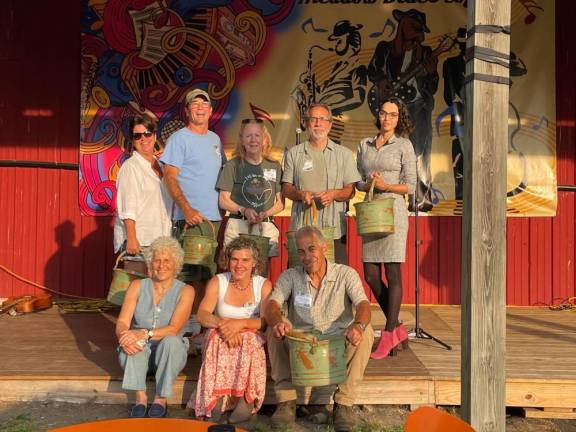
(199, 159)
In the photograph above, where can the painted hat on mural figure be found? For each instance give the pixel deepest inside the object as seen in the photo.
(461, 35)
(461, 38)
(196, 93)
(412, 13)
(343, 27)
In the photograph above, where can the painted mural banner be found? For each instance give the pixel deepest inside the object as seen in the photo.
(272, 59)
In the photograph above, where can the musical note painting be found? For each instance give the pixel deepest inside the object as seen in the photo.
(272, 59)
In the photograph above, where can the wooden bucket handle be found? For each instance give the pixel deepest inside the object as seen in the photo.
(120, 257)
(212, 228)
(295, 334)
(311, 215)
(186, 225)
(371, 190)
(251, 227)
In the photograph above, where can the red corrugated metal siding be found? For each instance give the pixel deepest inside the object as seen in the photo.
(563, 232)
(44, 238)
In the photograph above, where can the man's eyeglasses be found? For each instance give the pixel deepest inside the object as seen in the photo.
(250, 120)
(385, 114)
(319, 119)
(138, 135)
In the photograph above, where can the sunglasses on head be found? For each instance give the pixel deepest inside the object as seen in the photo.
(250, 120)
(138, 135)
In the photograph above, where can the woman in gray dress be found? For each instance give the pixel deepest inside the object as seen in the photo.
(150, 327)
(388, 160)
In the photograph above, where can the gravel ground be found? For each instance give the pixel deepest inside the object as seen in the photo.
(41, 416)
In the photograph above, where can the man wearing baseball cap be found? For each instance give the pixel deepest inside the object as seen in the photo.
(192, 158)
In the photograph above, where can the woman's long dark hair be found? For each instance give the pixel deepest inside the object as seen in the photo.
(405, 124)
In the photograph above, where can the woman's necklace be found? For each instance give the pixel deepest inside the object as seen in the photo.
(239, 287)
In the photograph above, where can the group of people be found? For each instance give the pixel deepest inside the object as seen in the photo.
(192, 184)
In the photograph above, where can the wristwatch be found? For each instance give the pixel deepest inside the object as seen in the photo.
(241, 211)
(149, 334)
(361, 325)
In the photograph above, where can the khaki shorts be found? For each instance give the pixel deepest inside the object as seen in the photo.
(235, 227)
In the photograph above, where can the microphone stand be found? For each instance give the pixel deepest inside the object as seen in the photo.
(418, 332)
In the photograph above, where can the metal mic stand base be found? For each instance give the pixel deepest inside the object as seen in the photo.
(417, 332)
(421, 334)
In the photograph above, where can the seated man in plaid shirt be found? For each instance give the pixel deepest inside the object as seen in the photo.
(321, 297)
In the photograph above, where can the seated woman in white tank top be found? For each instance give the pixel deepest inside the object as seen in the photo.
(233, 372)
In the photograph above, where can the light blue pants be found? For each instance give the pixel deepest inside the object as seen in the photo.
(165, 358)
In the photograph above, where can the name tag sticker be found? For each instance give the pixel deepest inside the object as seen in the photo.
(308, 165)
(303, 300)
(251, 308)
(270, 174)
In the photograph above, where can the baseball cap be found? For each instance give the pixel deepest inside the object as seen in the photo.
(196, 93)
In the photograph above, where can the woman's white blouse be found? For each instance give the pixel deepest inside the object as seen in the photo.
(142, 197)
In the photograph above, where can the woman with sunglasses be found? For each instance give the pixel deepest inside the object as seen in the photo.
(142, 203)
(249, 185)
(388, 161)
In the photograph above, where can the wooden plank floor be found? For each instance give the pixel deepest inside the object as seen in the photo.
(71, 356)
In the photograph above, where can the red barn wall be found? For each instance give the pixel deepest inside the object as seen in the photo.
(44, 238)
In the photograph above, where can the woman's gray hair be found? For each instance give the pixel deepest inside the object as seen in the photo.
(241, 243)
(310, 231)
(167, 244)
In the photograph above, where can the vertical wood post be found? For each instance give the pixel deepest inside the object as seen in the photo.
(484, 227)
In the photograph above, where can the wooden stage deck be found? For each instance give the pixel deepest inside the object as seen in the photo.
(71, 356)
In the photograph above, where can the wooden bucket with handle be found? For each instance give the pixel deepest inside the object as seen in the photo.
(199, 249)
(262, 244)
(375, 217)
(311, 219)
(317, 360)
(121, 278)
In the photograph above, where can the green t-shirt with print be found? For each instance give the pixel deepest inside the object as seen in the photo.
(251, 186)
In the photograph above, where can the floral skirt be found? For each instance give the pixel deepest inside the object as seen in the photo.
(230, 373)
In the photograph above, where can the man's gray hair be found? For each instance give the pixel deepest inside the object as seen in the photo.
(166, 244)
(320, 105)
(310, 231)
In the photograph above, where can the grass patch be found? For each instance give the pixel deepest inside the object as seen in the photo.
(278, 428)
(20, 423)
(376, 427)
(324, 429)
(364, 427)
(395, 429)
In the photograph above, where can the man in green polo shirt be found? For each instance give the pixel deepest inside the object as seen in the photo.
(322, 171)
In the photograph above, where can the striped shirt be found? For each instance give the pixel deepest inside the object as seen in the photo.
(328, 309)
